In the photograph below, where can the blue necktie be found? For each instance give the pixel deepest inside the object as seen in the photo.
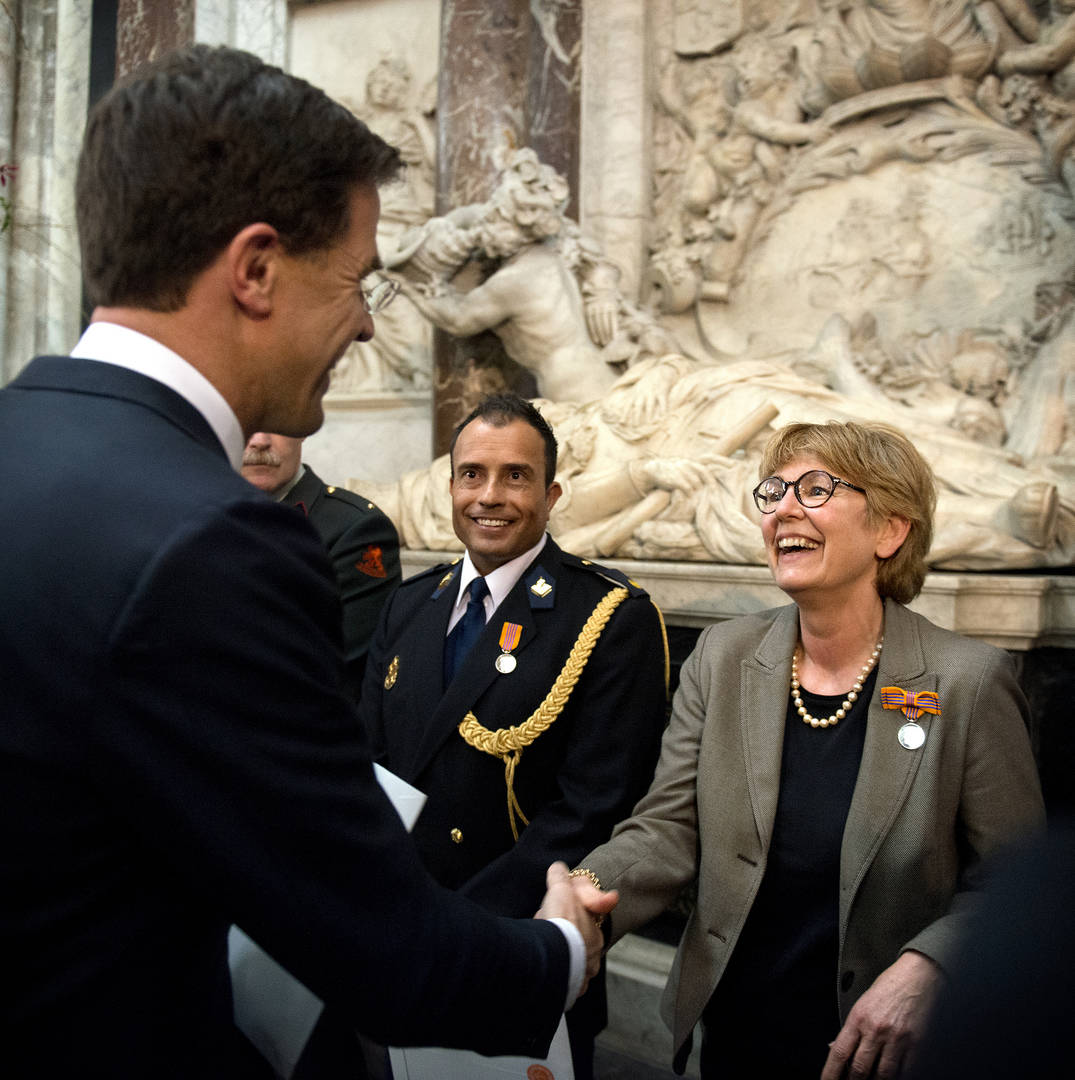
(467, 630)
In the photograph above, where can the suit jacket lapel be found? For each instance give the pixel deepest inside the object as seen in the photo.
(887, 769)
(765, 687)
(479, 671)
(421, 653)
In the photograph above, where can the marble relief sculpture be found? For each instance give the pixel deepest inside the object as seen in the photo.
(739, 132)
(662, 468)
(862, 208)
(399, 357)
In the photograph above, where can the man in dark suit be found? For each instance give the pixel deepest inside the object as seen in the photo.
(361, 542)
(1008, 992)
(178, 752)
(543, 735)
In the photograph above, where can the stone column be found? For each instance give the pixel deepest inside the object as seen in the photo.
(553, 90)
(147, 29)
(44, 72)
(509, 77)
(616, 133)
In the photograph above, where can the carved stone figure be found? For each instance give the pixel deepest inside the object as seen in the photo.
(663, 465)
(515, 265)
(736, 160)
(399, 356)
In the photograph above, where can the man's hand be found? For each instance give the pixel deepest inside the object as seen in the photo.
(886, 1023)
(577, 900)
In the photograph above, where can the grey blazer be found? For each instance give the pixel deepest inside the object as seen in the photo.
(919, 825)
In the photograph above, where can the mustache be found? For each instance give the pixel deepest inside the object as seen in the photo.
(261, 457)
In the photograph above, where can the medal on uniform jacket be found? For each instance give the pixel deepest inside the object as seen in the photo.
(509, 637)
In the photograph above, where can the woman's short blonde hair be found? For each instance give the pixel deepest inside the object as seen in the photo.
(895, 476)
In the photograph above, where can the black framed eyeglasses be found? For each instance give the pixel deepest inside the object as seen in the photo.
(378, 297)
(812, 489)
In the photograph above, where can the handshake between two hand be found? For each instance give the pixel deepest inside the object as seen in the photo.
(580, 901)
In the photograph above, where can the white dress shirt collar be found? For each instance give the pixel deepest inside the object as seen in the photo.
(112, 344)
(500, 581)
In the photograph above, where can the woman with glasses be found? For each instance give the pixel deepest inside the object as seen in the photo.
(833, 776)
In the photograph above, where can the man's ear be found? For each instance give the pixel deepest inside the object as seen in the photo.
(252, 265)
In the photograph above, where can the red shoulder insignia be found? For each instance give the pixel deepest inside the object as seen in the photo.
(372, 562)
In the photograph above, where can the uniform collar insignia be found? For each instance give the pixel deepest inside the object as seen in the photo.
(541, 586)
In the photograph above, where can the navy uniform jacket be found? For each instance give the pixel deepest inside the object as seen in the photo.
(178, 753)
(575, 781)
(364, 548)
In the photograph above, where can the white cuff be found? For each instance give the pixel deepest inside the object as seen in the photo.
(577, 948)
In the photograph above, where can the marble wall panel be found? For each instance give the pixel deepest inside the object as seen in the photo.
(259, 26)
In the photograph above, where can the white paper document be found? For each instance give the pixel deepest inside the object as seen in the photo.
(432, 1063)
(407, 800)
(272, 1008)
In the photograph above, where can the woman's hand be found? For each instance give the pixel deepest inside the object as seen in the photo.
(886, 1023)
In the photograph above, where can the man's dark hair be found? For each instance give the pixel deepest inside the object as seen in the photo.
(188, 151)
(500, 410)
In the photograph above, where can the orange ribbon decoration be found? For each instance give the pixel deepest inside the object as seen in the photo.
(913, 705)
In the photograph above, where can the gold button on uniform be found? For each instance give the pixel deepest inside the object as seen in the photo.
(457, 836)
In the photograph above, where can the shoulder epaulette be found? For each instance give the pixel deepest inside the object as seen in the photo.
(352, 498)
(443, 573)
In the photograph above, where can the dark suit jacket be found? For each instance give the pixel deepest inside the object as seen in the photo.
(919, 825)
(575, 781)
(1011, 985)
(364, 548)
(177, 753)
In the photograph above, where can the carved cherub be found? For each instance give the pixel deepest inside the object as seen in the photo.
(1051, 54)
(1051, 50)
(739, 142)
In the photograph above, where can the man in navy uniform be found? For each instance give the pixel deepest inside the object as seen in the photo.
(361, 542)
(523, 689)
(178, 751)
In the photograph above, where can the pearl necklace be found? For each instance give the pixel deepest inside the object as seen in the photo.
(845, 705)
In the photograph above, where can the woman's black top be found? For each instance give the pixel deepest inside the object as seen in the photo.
(775, 1007)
